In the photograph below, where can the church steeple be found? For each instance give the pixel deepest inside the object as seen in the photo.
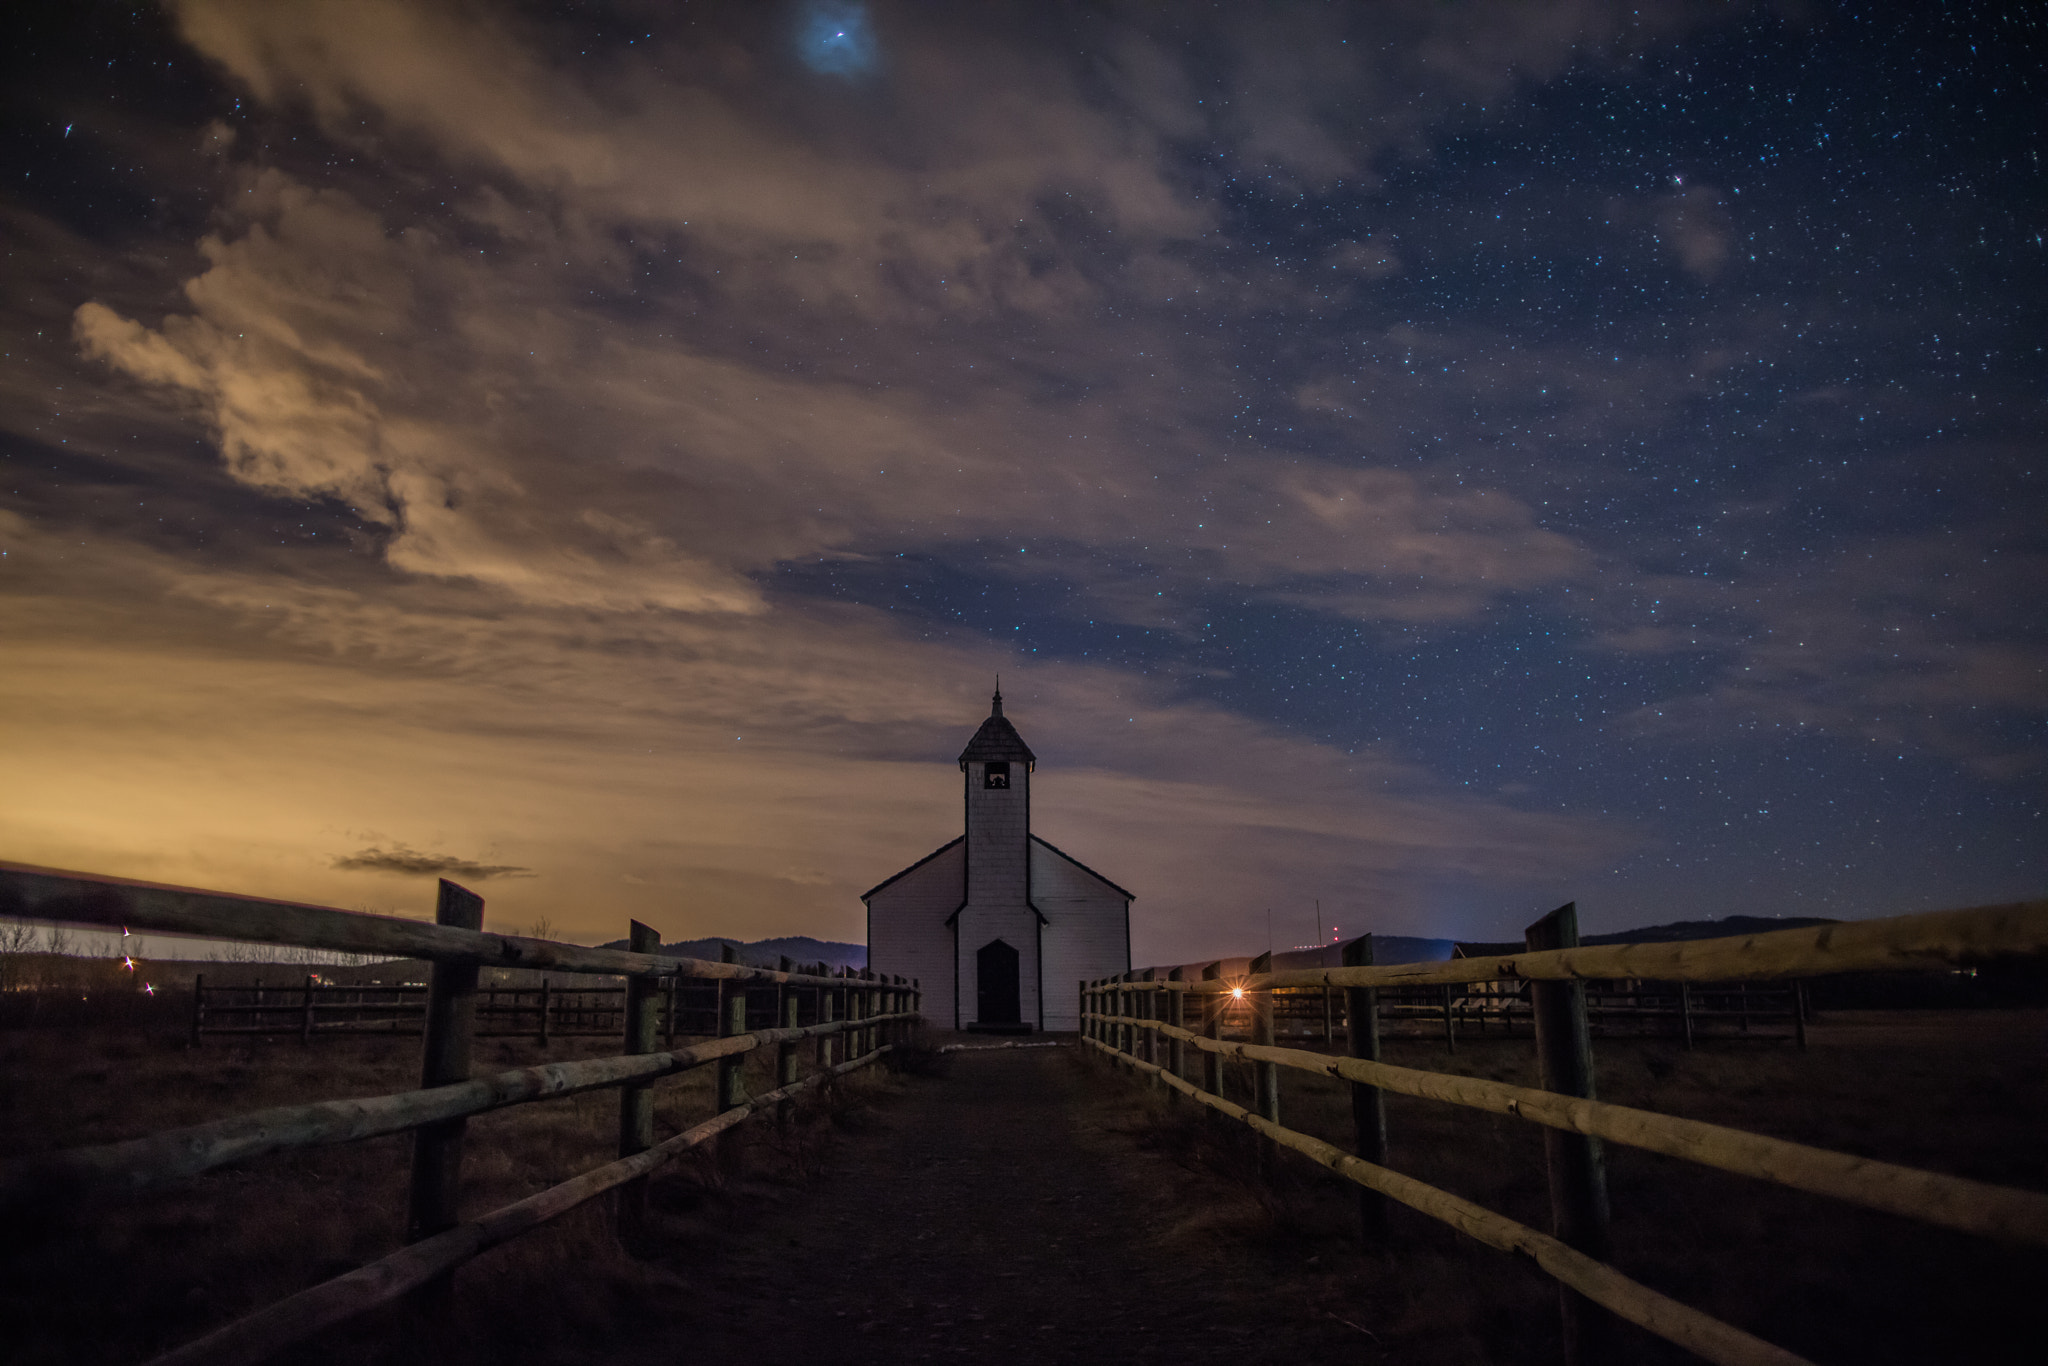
(997, 741)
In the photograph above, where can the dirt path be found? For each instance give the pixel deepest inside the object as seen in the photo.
(981, 1221)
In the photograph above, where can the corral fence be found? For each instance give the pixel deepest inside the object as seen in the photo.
(314, 1008)
(1682, 1010)
(1152, 1022)
(857, 1015)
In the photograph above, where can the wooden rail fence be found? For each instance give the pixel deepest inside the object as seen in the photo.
(1683, 1010)
(1148, 1021)
(313, 1008)
(859, 1015)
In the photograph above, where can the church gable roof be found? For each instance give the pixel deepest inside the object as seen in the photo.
(1049, 845)
(997, 740)
(893, 878)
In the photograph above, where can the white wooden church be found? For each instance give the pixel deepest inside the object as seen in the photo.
(997, 925)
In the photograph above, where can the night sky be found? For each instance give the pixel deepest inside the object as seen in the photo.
(1437, 459)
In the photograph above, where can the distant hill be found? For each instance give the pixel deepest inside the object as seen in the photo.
(1386, 948)
(768, 953)
(1727, 927)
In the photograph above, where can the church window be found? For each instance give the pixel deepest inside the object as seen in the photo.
(996, 774)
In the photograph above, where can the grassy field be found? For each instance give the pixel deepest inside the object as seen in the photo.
(1961, 1092)
(1958, 1092)
(125, 1279)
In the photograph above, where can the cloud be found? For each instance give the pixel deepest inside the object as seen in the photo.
(1909, 644)
(410, 862)
(704, 773)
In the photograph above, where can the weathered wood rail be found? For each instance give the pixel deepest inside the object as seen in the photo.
(857, 1015)
(313, 1009)
(1142, 1020)
(1683, 1010)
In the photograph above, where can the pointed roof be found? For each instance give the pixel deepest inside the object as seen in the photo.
(997, 739)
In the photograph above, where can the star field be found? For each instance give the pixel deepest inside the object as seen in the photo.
(1434, 459)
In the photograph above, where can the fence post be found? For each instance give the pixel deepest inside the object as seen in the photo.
(826, 1015)
(447, 1033)
(864, 1003)
(785, 1055)
(1329, 1021)
(675, 1006)
(306, 1009)
(198, 1007)
(544, 994)
(850, 999)
(1177, 1014)
(1450, 1029)
(885, 1006)
(1149, 1011)
(1368, 1103)
(636, 1099)
(867, 1012)
(732, 1086)
(1267, 1073)
(783, 992)
(1212, 1028)
(1685, 1012)
(1578, 1177)
(1799, 1012)
(1132, 1033)
(856, 1017)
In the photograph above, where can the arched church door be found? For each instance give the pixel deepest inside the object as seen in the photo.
(997, 999)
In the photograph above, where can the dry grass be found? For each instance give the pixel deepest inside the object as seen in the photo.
(124, 1280)
(1965, 1093)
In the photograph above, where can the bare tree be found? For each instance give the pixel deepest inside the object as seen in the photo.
(542, 928)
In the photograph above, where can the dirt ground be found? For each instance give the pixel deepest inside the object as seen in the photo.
(1039, 1205)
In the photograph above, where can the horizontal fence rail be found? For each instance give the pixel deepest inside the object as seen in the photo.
(1682, 1009)
(1140, 1016)
(865, 1013)
(1951, 1201)
(1908, 943)
(270, 1331)
(174, 1154)
(30, 893)
(1668, 1318)
(327, 1009)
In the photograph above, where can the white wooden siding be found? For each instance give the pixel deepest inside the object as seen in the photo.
(907, 932)
(1088, 934)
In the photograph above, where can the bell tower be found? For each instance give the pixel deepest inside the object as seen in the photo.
(998, 940)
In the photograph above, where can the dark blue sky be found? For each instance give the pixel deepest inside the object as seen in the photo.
(1433, 459)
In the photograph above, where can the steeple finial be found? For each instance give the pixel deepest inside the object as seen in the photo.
(997, 705)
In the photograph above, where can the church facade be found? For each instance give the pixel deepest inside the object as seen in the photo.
(997, 925)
